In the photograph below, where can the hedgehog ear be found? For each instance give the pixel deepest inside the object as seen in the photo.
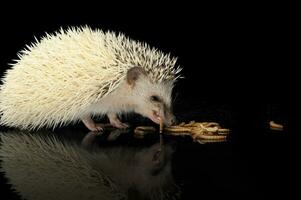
(134, 74)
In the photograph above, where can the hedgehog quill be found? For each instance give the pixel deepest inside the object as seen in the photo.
(75, 74)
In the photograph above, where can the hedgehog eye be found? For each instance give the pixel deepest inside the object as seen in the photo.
(155, 98)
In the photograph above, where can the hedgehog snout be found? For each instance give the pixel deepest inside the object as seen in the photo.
(170, 119)
(163, 113)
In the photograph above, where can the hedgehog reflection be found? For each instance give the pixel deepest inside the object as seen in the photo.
(43, 167)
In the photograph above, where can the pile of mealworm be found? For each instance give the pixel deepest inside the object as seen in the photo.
(202, 132)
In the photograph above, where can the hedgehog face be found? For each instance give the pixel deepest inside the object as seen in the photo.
(156, 103)
(152, 100)
(158, 110)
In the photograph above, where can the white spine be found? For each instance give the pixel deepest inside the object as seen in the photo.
(56, 79)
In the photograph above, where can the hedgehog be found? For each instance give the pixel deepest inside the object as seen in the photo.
(79, 73)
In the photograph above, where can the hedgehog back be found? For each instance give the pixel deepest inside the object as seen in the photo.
(57, 78)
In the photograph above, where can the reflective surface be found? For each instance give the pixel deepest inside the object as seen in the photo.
(71, 163)
(45, 166)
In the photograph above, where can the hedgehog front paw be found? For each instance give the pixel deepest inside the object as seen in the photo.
(98, 127)
(95, 127)
(116, 122)
(91, 125)
(119, 124)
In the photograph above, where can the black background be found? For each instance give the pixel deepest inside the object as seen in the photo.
(238, 55)
(237, 62)
(228, 52)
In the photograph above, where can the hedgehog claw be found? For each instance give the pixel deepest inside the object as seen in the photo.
(91, 125)
(119, 125)
(96, 128)
(99, 127)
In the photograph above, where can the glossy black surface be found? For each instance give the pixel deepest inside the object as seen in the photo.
(253, 162)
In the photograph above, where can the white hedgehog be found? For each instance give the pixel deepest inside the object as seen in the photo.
(75, 74)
